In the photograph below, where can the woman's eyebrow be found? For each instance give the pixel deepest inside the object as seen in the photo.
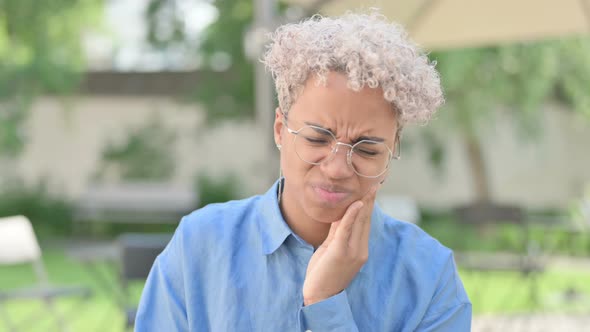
(360, 138)
(318, 125)
(369, 138)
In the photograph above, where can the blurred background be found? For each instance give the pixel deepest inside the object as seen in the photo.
(118, 117)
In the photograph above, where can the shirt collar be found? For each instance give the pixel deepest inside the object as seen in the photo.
(272, 226)
(274, 229)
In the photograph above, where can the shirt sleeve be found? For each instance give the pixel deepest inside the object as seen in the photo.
(331, 314)
(450, 309)
(162, 305)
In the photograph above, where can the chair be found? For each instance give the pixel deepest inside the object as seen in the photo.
(18, 245)
(138, 253)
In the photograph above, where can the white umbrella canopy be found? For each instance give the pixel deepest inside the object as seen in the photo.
(444, 24)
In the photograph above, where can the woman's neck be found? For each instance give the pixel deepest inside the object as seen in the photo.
(310, 230)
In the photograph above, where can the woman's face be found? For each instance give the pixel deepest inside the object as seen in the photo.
(323, 192)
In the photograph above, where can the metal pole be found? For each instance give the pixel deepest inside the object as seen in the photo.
(265, 12)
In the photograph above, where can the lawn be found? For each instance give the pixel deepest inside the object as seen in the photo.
(563, 290)
(99, 313)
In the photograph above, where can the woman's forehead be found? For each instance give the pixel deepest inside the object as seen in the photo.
(345, 112)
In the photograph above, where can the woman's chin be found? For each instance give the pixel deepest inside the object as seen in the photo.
(326, 216)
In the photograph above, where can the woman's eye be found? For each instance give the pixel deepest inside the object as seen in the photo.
(316, 140)
(367, 152)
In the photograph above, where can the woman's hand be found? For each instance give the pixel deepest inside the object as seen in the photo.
(341, 256)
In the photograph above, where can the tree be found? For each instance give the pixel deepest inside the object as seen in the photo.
(519, 78)
(229, 74)
(40, 52)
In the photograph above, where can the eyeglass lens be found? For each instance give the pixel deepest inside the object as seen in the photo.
(315, 145)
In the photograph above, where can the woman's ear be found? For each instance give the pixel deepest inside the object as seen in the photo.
(278, 127)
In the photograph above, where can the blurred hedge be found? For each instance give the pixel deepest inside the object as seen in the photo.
(49, 213)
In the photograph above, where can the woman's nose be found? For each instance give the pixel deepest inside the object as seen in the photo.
(336, 165)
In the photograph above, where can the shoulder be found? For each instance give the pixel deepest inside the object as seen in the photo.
(421, 257)
(218, 220)
(407, 246)
(411, 240)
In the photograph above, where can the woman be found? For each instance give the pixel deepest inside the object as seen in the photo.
(314, 253)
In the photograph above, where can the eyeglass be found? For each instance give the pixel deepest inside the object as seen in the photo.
(367, 158)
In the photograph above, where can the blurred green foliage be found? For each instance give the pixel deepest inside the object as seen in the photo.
(228, 94)
(146, 154)
(518, 78)
(506, 237)
(40, 52)
(219, 189)
(579, 210)
(229, 98)
(48, 212)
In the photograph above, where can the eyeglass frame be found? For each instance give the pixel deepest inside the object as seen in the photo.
(334, 149)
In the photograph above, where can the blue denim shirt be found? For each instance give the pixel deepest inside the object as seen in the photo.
(237, 266)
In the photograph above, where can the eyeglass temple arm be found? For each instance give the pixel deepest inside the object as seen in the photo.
(398, 143)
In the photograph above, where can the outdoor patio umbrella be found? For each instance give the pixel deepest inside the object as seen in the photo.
(444, 24)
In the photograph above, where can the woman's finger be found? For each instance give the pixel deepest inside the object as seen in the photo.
(345, 228)
(362, 226)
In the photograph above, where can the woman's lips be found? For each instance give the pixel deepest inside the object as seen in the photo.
(330, 195)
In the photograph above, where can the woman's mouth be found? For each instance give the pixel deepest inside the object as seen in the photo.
(330, 195)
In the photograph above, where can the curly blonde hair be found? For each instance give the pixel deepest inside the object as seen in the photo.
(367, 48)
